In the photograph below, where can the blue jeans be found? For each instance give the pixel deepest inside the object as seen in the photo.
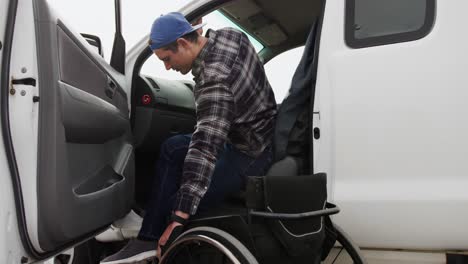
(230, 173)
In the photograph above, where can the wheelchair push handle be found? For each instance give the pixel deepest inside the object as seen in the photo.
(331, 209)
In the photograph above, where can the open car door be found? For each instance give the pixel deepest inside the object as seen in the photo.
(67, 125)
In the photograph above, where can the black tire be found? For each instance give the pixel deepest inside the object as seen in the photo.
(207, 245)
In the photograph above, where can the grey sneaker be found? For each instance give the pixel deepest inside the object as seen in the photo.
(135, 251)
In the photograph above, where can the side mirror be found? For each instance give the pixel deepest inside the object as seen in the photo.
(94, 41)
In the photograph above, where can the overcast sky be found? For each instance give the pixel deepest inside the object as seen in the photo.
(97, 18)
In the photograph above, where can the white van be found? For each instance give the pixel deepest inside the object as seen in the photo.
(80, 135)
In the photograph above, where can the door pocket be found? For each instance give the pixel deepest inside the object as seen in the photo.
(103, 179)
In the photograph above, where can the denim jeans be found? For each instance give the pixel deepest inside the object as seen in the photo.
(231, 169)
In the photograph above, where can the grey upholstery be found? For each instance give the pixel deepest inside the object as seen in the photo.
(285, 167)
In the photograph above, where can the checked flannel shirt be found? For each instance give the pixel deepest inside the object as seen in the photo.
(234, 104)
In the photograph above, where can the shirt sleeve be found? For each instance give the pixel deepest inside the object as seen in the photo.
(215, 113)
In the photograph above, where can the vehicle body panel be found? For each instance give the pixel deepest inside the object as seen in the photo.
(393, 139)
(11, 249)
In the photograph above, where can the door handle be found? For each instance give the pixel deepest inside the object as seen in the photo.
(110, 88)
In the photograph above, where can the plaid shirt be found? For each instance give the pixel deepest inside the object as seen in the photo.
(234, 103)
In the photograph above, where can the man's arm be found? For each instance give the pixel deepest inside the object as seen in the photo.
(215, 112)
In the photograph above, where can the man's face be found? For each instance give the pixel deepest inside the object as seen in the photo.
(179, 61)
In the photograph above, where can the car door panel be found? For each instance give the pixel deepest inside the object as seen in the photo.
(88, 118)
(80, 68)
(85, 168)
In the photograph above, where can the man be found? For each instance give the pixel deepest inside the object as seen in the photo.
(235, 109)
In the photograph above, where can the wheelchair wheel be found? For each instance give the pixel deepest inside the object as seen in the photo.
(349, 246)
(207, 245)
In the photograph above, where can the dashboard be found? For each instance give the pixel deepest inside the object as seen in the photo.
(164, 108)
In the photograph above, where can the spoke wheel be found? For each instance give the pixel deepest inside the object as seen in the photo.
(207, 245)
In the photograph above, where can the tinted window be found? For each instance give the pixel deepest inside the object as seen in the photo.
(380, 22)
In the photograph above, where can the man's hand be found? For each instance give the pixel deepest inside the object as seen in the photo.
(167, 233)
(165, 237)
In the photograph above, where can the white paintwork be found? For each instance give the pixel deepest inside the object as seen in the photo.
(11, 249)
(24, 113)
(394, 136)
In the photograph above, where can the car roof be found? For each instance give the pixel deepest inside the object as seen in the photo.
(279, 25)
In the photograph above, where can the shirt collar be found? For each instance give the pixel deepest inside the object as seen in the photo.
(198, 63)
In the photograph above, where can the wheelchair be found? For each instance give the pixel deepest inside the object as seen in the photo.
(282, 217)
(277, 220)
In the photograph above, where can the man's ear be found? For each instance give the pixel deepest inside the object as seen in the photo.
(183, 42)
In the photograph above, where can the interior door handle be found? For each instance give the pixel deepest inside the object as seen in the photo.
(110, 88)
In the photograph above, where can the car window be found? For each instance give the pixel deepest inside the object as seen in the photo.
(83, 20)
(381, 22)
(137, 18)
(280, 71)
(215, 20)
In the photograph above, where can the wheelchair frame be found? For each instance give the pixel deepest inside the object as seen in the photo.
(236, 252)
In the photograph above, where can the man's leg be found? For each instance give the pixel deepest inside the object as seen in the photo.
(230, 174)
(166, 182)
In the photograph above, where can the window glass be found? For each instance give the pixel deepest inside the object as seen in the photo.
(280, 71)
(77, 16)
(215, 20)
(97, 18)
(378, 22)
(383, 17)
(138, 16)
